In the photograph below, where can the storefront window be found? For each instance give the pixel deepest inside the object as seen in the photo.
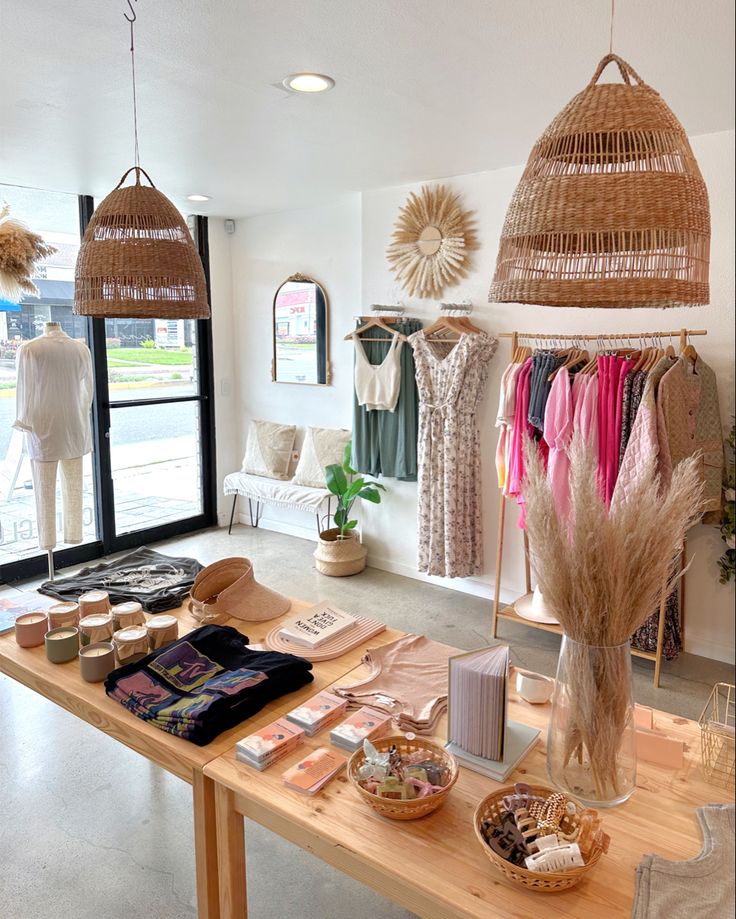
(56, 218)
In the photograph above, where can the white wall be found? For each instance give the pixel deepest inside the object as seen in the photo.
(227, 401)
(323, 243)
(343, 246)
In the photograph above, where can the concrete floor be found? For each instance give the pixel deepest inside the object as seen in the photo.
(90, 829)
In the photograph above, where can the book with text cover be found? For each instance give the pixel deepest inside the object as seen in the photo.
(317, 625)
(15, 603)
(477, 701)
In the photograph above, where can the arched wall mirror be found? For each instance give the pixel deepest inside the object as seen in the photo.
(300, 333)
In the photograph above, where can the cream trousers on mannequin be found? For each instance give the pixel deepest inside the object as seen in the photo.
(44, 488)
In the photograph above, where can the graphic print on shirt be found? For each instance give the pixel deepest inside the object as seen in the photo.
(233, 681)
(184, 667)
(140, 690)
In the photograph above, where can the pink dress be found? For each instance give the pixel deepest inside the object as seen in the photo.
(520, 431)
(558, 427)
(612, 371)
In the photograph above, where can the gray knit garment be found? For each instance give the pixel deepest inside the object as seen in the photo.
(701, 888)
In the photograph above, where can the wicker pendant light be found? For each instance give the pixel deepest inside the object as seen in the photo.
(137, 259)
(611, 210)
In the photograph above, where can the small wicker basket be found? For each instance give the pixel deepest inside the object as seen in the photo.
(490, 808)
(405, 810)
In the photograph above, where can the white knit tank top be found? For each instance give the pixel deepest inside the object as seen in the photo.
(377, 385)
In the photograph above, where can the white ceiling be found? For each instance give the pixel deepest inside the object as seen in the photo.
(425, 88)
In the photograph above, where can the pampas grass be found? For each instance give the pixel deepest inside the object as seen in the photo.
(603, 572)
(20, 249)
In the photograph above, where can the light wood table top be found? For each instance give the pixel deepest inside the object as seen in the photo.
(435, 866)
(63, 684)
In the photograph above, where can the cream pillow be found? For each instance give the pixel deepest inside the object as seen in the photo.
(322, 447)
(268, 449)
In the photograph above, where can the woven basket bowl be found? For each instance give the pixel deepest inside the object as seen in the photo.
(405, 810)
(545, 882)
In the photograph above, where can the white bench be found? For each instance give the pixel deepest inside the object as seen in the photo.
(279, 493)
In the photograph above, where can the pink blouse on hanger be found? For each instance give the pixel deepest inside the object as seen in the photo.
(521, 432)
(558, 428)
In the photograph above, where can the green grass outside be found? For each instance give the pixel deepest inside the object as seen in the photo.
(122, 357)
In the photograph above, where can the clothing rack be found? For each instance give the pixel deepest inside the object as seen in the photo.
(509, 611)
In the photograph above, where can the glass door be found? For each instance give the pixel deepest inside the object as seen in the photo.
(156, 459)
(151, 473)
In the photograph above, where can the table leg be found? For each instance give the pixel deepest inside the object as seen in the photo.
(230, 856)
(205, 847)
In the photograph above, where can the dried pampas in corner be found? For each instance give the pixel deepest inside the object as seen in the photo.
(602, 572)
(20, 249)
(431, 242)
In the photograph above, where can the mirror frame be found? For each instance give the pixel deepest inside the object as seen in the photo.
(323, 361)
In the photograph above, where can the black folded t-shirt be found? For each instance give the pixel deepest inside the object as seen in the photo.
(205, 683)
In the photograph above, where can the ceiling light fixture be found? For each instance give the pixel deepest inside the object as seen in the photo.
(308, 82)
(198, 197)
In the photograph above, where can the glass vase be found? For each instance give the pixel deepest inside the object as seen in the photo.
(591, 742)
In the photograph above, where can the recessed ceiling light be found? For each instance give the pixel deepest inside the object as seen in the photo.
(308, 82)
(198, 197)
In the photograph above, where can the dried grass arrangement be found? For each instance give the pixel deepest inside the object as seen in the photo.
(20, 249)
(432, 242)
(603, 572)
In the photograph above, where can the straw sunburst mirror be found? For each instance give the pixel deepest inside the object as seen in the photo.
(432, 242)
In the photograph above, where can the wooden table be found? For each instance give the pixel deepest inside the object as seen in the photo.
(62, 683)
(435, 866)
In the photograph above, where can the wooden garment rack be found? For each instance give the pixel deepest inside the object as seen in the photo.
(509, 611)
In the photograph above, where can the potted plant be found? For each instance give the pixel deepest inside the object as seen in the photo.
(340, 552)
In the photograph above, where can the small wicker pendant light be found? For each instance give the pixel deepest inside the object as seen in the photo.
(137, 259)
(611, 210)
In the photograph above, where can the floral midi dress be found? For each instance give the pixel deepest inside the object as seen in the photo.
(451, 379)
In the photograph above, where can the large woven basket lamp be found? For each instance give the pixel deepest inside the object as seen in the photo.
(138, 259)
(611, 210)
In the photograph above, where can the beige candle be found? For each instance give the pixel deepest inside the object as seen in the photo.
(162, 631)
(94, 601)
(62, 614)
(131, 644)
(60, 635)
(127, 614)
(96, 628)
(33, 617)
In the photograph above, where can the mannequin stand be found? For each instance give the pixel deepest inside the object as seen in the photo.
(50, 556)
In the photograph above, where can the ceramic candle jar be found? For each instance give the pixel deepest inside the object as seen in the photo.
(30, 629)
(96, 628)
(131, 644)
(162, 631)
(96, 661)
(66, 613)
(94, 601)
(125, 614)
(62, 644)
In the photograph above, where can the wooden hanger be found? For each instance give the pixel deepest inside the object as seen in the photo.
(377, 322)
(689, 353)
(446, 324)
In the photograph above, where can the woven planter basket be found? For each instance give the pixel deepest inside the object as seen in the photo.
(404, 810)
(611, 210)
(339, 557)
(137, 259)
(490, 808)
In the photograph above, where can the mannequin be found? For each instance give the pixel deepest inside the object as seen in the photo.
(53, 400)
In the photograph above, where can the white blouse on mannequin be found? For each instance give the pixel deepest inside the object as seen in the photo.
(54, 396)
